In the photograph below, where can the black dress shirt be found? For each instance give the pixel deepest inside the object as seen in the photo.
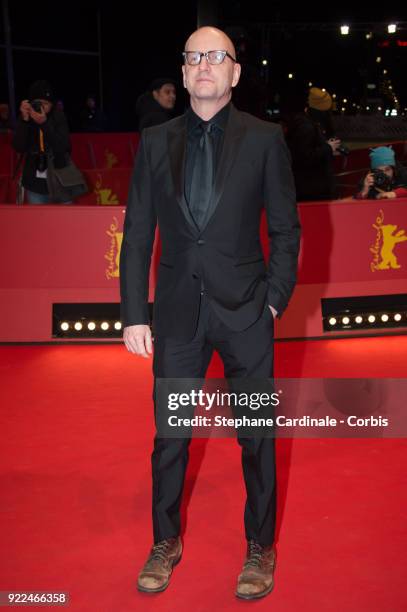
(194, 133)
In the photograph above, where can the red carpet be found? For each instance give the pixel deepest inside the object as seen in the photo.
(76, 428)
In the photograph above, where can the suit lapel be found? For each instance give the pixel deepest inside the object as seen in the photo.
(234, 132)
(177, 143)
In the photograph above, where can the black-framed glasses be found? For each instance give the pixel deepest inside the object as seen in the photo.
(193, 58)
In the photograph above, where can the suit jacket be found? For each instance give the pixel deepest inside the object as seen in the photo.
(254, 171)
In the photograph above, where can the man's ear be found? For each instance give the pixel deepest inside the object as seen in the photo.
(155, 94)
(236, 74)
(184, 76)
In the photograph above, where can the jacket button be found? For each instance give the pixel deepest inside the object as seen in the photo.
(200, 242)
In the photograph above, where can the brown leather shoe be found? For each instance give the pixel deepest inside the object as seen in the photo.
(256, 579)
(155, 575)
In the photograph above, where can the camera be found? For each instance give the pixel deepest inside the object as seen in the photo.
(343, 150)
(381, 180)
(36, 105)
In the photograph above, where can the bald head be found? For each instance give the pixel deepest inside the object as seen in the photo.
(208, 35)
(210, 84)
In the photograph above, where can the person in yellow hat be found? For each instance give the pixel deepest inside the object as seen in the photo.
(312, 143)
(319, 99)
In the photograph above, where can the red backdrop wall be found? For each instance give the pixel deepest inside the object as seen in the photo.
(71, 254)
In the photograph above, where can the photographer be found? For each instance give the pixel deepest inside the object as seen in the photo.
(41, 130)
(387, 179)
(312, 143)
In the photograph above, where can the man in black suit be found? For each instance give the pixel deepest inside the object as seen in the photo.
(205, 177)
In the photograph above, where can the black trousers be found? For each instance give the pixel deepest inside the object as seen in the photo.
(248, 353)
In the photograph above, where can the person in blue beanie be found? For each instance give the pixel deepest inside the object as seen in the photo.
(386, 179)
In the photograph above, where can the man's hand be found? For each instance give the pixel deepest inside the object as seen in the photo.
(137, 339)
(39, 118)
(25, 109)
(367, 183)
(274, 311)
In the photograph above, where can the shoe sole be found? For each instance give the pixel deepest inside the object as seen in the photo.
(165, 585)
(256, 595)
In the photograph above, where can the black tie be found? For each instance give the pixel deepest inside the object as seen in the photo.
(202, 176)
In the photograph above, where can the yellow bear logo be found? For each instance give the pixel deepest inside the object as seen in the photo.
(104, 195)
(390, 239)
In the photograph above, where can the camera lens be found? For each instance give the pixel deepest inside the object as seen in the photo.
(36, 105)
(380, 179)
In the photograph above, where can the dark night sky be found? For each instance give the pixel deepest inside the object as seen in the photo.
(137, 47)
